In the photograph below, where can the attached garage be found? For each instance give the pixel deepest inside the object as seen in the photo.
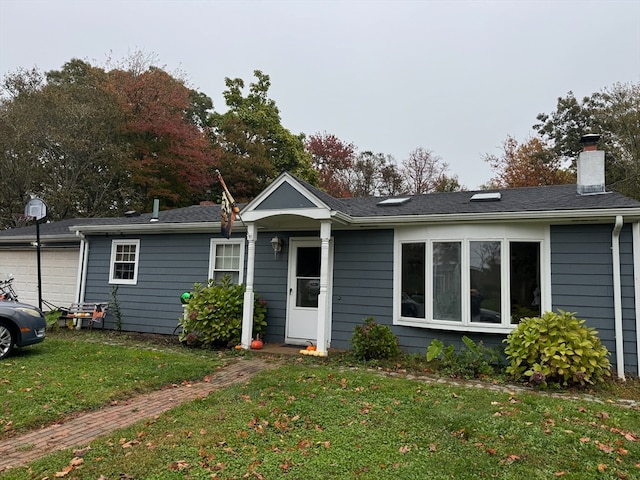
(59, 261)
(59, 270)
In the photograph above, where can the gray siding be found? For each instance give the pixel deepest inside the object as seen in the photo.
(270, 283)
(581, 277)
(582, 282)
(168, 265)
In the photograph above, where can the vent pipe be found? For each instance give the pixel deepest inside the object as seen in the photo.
(156, 210)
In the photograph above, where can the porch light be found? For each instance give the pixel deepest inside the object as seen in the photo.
(276, 244)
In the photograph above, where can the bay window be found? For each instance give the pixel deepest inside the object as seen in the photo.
(478, 282)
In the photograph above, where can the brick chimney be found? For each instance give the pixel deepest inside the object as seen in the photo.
(590, 166)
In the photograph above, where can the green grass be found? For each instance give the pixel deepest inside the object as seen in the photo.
(332, 420)
(303, 421)
(75, 371)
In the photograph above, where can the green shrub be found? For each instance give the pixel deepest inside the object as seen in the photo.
(374, 341)
(473, 360)
(556, 348)
(214, 314)
(52, 317)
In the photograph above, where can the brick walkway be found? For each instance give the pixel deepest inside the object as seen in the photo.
(83, 429)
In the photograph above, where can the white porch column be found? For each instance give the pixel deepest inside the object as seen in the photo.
(247, 309)
(324, 324)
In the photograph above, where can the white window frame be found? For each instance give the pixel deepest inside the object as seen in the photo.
(212, 256)
(112, 262)
(466, 234)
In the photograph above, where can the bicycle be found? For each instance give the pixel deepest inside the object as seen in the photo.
(6, 290)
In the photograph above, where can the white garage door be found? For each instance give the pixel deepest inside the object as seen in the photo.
(59, 270)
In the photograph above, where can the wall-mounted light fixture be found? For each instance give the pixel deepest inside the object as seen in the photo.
(276, 244)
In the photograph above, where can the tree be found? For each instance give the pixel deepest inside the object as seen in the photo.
(425, 172)
(170, 157)
(255, 147)
(614, 113)
(332, 159)
(61, 141)
(365, 177)
(526, 165)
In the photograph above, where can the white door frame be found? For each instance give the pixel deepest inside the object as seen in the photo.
(294, 313)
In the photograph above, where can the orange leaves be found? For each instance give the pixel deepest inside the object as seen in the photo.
(74, 463)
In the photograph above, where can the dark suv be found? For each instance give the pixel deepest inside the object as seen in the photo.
(20, 325)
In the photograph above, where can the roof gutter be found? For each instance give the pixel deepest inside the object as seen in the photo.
(157, 227)
(556, 216)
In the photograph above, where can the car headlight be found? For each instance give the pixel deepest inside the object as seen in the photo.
(29, 311)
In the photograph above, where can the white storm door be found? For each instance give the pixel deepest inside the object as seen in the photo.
(303, 289)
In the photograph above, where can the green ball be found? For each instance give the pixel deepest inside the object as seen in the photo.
(185, 297)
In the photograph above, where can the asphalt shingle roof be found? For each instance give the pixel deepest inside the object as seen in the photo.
(554, 198)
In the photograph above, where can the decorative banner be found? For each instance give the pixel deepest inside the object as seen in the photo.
(228, 209)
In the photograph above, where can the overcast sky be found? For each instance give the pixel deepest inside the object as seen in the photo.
(454, 77)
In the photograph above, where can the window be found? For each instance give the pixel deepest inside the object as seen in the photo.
(478, 282)
(226, 258)
(124, 261)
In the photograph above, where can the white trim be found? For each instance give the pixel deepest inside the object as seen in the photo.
(285, 177)
(617, 296)
(464, 234)
(214, 242)
(124, 281)
(636, 286)
(324, 315)
(248, 301)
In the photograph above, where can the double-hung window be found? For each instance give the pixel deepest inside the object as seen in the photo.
(476, 278)
(124, 262)
(226, 258)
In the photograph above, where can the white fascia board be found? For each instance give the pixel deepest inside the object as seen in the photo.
(284, 178)
(313, 213)
(154, 228)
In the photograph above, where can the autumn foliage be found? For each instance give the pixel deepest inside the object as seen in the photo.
(528, 164)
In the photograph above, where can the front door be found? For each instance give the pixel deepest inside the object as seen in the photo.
(303, 289)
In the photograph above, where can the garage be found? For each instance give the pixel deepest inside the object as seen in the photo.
(59, 271)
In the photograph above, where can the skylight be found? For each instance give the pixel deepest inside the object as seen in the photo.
(390, 202)
(486, 197)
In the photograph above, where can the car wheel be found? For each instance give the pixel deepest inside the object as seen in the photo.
(7, 340)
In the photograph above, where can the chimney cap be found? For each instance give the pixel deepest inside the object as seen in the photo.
(590, 138)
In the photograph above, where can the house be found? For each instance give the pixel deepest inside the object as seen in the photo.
(430, 266)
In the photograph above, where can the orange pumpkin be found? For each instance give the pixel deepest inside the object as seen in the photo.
(256, 344)
(311, 348)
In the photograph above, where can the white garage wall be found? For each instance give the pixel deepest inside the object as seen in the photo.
(59, 269)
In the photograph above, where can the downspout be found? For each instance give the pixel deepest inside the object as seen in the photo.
(617, 296)
(636, 286)
(83, 260)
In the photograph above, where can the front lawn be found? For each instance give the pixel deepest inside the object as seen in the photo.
(81, 370)
(305, 421)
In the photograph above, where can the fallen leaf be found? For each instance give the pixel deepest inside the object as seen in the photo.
(604, 448)
(404, 449)
(64, 472)
(601, 467)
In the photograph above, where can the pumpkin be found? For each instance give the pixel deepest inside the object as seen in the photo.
(256, 344)
(311, 348)
(238, 347)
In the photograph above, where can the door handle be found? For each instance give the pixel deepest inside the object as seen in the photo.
(290, 291)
